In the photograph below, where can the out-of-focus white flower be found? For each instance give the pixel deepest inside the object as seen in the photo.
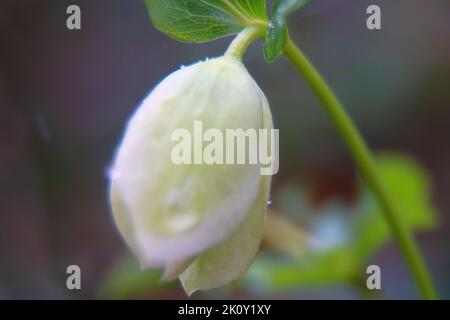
(203, 223)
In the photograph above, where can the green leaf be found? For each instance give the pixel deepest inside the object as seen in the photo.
(276, 37)
(277, 33)
(127, 280)
(409, 185)
(204, 20)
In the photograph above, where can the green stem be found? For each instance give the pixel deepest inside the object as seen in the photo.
(240, 44)
(367, 167)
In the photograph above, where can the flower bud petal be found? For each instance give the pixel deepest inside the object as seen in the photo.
(167, 213)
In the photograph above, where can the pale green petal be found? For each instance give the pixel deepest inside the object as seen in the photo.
(174, 270)
(227, 261)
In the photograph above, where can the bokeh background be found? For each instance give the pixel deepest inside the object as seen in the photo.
(65, 97)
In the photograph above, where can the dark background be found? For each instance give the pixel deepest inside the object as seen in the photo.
(65, 96)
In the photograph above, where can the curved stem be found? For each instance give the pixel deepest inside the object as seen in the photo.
(240, 44)
(366, 164)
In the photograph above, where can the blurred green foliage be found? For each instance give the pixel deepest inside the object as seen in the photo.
(127, 280)
(410, 186)
(365, 231)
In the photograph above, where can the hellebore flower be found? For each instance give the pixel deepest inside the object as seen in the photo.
(202, 223)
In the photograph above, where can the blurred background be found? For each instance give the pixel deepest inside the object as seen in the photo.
(65, 97)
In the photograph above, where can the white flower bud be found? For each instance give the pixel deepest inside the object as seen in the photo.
(202, 221)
